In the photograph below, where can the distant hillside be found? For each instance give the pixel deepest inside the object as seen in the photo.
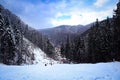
(59, 34)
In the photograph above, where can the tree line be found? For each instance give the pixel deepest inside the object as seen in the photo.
(101, 43)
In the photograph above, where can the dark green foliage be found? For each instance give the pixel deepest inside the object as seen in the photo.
(100, 39)
(73, 50)
(101, 43)
(116, 31)
(62, 49)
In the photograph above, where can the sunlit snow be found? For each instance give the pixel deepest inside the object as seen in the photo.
(100, 71)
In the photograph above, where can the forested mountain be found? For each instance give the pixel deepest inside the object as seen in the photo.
(59, 34)
(12, 45)
(100, 43)
(96, 42)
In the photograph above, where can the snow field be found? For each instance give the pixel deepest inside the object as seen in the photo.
(100, 71)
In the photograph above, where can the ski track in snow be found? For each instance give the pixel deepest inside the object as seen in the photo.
(100, 71)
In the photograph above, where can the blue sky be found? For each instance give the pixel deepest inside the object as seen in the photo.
(41, 14)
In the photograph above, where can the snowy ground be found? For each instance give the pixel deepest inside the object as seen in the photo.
(100, 71)
(39, 55)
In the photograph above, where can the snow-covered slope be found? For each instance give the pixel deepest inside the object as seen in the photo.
(39, 56)
(101, 71)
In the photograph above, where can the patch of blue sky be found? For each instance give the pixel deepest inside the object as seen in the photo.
(64, 17)
(44, 12)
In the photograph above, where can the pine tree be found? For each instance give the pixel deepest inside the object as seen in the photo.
(1, 35)
(77, 49)
(117, 32)
(107, 40)
(91, 45)
(67, 48)
(49, 48)
(62, 49)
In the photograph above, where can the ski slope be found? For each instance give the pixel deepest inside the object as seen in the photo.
(100, 71)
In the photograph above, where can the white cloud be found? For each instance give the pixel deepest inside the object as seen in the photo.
(100, 3)
(43, 15)
(82, 17)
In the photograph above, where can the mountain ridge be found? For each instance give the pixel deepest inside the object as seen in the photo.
(58, 34)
